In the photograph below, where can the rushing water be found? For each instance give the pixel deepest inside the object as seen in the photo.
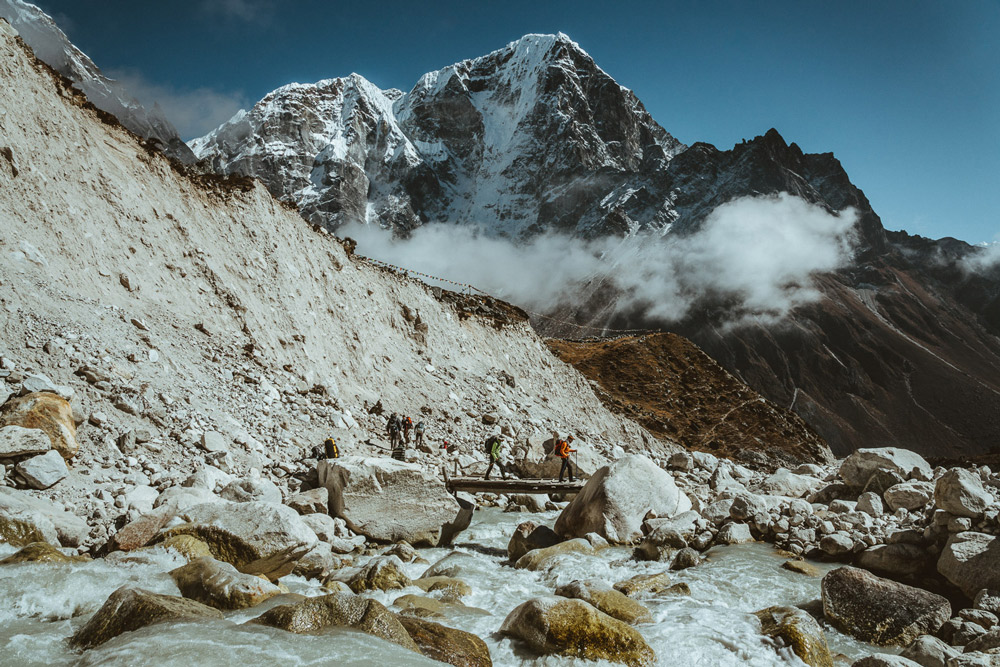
(42, 605)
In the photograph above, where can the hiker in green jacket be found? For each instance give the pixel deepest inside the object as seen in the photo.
(493, 445)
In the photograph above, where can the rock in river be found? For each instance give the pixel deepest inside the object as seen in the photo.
(613, 603)
(221, 585)
(129, 609)
(448, 645)
(388, 500)
(880, 611)
(799, 630)
(618, 497)
(573, 628)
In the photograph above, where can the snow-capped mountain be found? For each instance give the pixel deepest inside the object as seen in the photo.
(529, 137)
(52, 47)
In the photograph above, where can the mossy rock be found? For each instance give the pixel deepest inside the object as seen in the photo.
(384, 573)
(448, 645)
(801, 567)
(19, 533)
(130, 609)
(539, 559)
(231, 548)
(613, 603)
(799, 630)
(188, 546)
(338, 610)
(640, 584)
(452, 589)
(41, 552)
(575, 629)
(220, 585)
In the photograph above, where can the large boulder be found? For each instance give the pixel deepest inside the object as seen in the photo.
(613, 603)
(898, 559)
(384, 573)
(25, 519)
(338, 610)
(43, 471)
(221, 585)
(447, 645)
(784, 482)
(313, 501)
(912, 495)
(961, 493)
(797, 629)
(255, 537)
(858, 468)
(540, 559)
(644, 584)
(16, 441)
(929, 651)
(880, 611)
(251, 489)
(130, 609)
(49, 413)
(617, 498)
(971, 561)
(527, 536)
(41, 552)
(387, 500)
(575, 629)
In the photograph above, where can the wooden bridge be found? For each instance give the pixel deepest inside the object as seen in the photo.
(512, 485)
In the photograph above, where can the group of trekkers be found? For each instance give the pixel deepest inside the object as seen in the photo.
(398, 429)
(560, 448)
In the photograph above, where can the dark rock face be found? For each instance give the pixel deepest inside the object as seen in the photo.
(880, 611)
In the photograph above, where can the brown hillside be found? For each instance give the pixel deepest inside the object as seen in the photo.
(666, 383)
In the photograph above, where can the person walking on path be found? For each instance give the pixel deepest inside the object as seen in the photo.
(394, 427)
(493, 445)
(418, 434)
(407, 425)
(563, 451)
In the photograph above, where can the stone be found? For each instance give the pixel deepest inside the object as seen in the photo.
(141, 498)
(682, 461)
(734, 533)
(451, 565)
(527, 536)
(836, 544)
(880, 611)
(980, 617)
(661, 544)
(450, 589)
(746, 506)
(255, 537)
(180, 498)
(614, 502)
(447, 645)
(317, 563)
(47, 412)
(971, 561)
(858, 468)
(929, 651)
(912, 495)
(18, 441)
(187, 546)
(531, 502)
(984, 641)
(961, 493)
(43, 471)
(313, 501)
(214, 442)
(129, 609)
(384, 573)
(338, 610)
(884, 660)
(250, 489)
(221, 585)
(208, 477)
(652, 584)
(786, 483)
(871, 504)
(987, 600)
(40, 552)
(25, 519)
(387, 500)
(881, 481)
(575, 629)
(686, 524)
(898, 560)
(602, 596)
(685, 558)
(801, 567)
(541, 559)
(795, 628)
(140, 532)
(404, 552)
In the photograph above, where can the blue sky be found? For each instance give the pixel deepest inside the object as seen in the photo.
(906, 93)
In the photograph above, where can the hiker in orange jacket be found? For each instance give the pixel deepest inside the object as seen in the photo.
(563, 451)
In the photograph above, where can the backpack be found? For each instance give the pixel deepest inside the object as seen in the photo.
(420, 427)
(409, 423)
(561, 447)
(489, 444)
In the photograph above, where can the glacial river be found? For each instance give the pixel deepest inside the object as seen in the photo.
(42, 605)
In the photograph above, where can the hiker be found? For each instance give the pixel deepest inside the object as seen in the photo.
(418, 434)
(493, 445)
(407, 425)
(563, 451)
(393, 429)
(330, 449)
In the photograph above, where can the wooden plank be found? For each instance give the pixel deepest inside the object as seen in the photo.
(504, 486)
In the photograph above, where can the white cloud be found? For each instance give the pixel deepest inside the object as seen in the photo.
(758, 253)
(194, 112)
(986, 257)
